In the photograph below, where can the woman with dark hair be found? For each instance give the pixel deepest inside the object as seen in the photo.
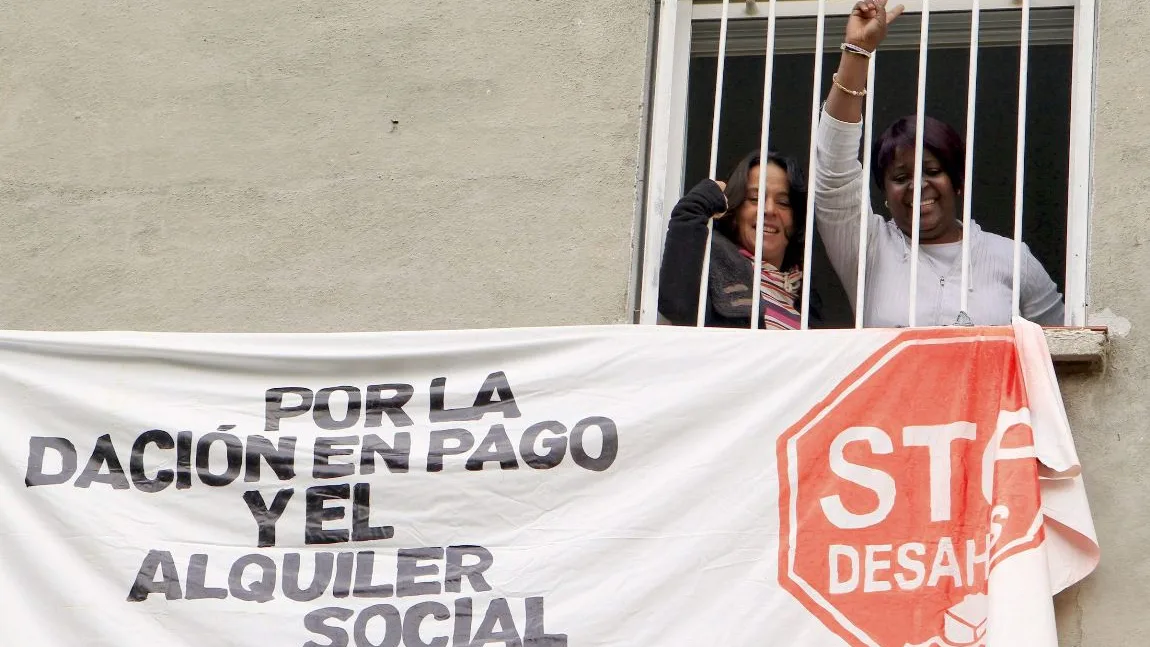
(838, 191)
(729, 290)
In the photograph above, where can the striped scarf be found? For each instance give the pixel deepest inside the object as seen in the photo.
(780, 292)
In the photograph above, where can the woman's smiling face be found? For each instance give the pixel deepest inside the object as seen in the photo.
(778, 215)
(938, 223)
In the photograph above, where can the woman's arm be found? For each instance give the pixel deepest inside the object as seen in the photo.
(838, 177)
(683, 252)
(866, 29)
(838, 187)
(1040, 301)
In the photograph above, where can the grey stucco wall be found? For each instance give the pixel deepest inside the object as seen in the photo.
(1110, 413)
(216, 166)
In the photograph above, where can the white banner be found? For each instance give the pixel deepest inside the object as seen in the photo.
(564, 486)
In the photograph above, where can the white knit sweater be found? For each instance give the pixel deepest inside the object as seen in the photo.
(838, 185)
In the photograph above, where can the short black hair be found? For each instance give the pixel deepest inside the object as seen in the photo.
(937, 137)
(737, 193)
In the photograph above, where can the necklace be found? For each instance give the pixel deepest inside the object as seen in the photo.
(940, 270)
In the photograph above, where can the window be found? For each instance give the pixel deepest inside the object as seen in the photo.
(1057, 125)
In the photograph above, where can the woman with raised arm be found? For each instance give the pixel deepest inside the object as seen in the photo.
(838, 186)
(734, 207)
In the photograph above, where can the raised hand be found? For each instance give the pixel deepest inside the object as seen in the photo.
(723, 188)
(868, 22)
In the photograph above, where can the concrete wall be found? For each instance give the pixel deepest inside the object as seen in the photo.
(1110, 413)
(190, 165)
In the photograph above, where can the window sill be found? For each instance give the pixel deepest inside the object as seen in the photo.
(1078, 350)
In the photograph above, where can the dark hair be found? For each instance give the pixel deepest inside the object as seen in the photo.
(737, 193)
(937, 137)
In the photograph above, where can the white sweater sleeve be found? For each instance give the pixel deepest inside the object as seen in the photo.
(1040, 301)
(838, 186)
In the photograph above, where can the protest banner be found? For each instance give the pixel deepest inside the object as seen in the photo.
(617, 485)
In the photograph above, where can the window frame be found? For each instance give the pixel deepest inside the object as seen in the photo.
(668, 128)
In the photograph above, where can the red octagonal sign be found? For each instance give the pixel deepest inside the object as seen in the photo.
(906, 486)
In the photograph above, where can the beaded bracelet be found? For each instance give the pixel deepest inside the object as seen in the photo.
(855, 49)
(853, 93)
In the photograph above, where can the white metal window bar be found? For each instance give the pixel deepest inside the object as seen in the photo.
(968, 165)
(764, 146)
(816, 109)
(1020, 159)
(919, 126)
(668, 128)
(864, 201)
(701, 317)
